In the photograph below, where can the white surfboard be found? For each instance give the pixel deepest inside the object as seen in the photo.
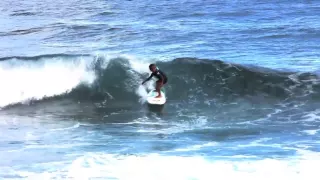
(156, 101)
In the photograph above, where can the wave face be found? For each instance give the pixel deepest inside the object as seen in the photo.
(99, 79)
(197, 80)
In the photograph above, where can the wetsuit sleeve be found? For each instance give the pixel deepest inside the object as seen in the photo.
(148, 78)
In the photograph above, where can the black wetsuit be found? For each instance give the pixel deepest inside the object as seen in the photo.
(160, 75)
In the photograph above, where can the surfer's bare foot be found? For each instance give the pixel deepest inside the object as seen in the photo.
(159, 96)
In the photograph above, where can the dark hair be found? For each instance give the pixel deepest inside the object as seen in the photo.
(151, 65)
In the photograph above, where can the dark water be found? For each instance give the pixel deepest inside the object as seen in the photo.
(243, 90)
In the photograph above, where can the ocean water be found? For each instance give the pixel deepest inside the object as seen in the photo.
(243, 89)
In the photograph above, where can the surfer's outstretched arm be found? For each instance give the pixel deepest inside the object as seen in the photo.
(147, 78)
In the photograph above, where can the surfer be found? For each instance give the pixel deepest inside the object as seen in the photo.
(162, 78)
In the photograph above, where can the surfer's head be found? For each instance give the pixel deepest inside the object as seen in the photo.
(152, 67)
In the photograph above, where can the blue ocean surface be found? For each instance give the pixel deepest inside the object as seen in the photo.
(243, 89)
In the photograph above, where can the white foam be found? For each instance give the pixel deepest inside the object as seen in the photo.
(141, 65)
(75, 126)
(154, 166)
(142, 93)
(25, 80)
(159, 167)
(311, 132)
(178, 127)
(312, 116)
(197, 147)
(145, 121)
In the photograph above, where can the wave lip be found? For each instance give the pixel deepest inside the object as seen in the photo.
(41, 77)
